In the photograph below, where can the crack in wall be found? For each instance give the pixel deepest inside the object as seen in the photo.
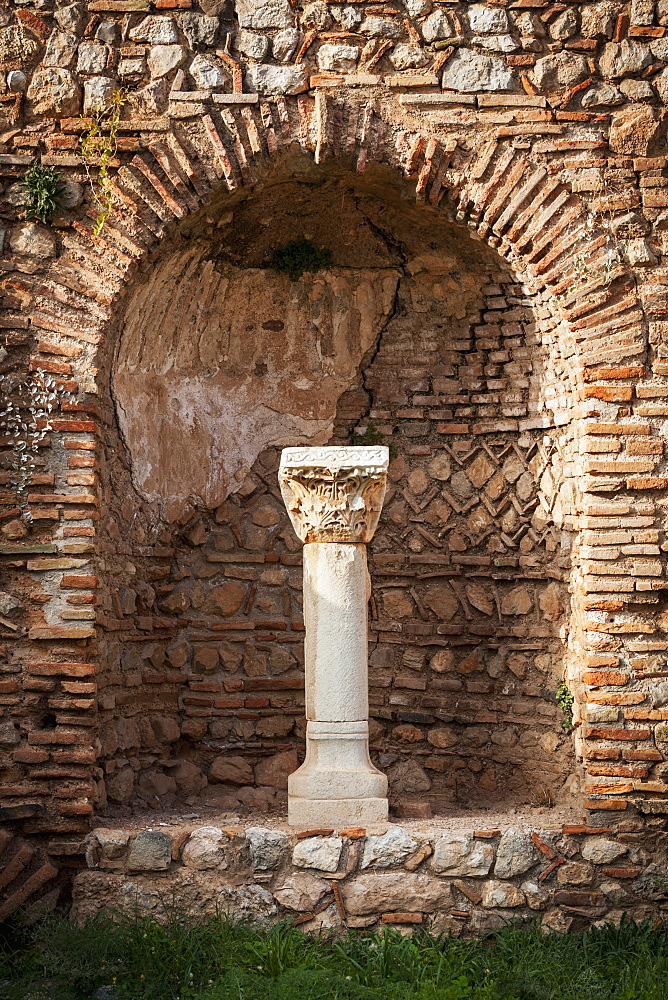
(394, 247)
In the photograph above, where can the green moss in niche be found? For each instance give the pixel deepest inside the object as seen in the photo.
(300, 255)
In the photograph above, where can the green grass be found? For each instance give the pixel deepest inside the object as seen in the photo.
(216, 959)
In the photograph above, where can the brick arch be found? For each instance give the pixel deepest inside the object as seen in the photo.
(517, 206)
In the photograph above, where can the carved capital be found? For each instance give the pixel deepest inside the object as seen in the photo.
(334, 494)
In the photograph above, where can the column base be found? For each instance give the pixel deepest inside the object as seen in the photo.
(337, 785)
(336, 813)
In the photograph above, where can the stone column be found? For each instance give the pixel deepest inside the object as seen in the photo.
(334, 497)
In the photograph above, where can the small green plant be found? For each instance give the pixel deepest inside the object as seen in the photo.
(564, 699)
(300, 255)
(660, 883)
(44, 192)
(97, 147)
(371, 436)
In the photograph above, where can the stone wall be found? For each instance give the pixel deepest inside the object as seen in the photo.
(534, 129)
(461, 883)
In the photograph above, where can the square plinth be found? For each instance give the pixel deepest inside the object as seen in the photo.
(337, 813)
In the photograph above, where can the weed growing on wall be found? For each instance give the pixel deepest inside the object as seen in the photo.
(300, 255)
(29, 400)
(97, 147)
(44, 191)
(371, 436)
(604, 262)
(564, 699)
(601, 262)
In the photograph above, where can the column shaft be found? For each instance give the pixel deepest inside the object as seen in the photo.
(336, 592)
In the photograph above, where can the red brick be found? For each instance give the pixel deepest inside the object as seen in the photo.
(622, 788)
(202, 685)
(75, 791)
(45, 874)
(58, 773)
(597, 678)
(609, 393)
(64, 669)
(617, 771)
(56, 367)
(571, 828)
(644, 447)
(646, 31)
(28, 756)
(198, 700)
(619, 429)
(603, 605)
(16, 865)
(74, 426)
(452, 428)
(607, 805)
(650, 753)
(521, 60)
(33, 22)
(599, 733)
(82, 479)
(73, 756)
(66, 702)
(60, 632)
(646, 483)
(621, 371)
(57, 736)
(616, 697)
(602, 753)
(75, 809)
(79, 581)
(38, 684)
(26, 790)
(274, 684)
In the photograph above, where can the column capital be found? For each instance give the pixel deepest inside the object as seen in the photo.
(334, 494)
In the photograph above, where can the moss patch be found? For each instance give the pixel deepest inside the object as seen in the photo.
(300, 255)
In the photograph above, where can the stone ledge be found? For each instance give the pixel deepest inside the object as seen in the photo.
(461, 883)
